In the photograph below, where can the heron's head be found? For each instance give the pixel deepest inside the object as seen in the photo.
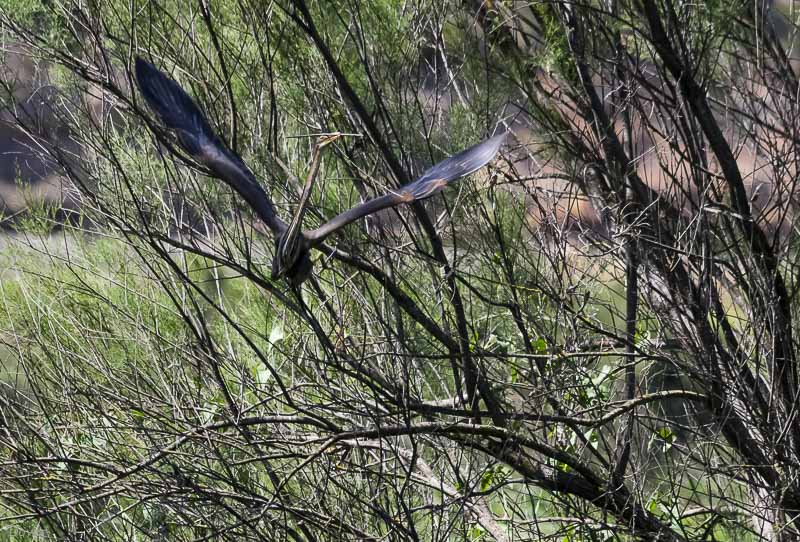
(326, 139)
(292, 259)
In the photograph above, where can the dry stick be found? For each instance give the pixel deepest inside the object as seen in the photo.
(631, 269)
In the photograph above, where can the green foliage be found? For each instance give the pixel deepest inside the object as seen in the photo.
(157, 384)
(555, 51)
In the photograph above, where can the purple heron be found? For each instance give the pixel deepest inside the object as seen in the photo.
(181, 115)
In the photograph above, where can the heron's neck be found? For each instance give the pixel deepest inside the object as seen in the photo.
(295, 226)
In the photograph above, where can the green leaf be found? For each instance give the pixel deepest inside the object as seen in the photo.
(486, 479)
(666, 434)
(276, 335)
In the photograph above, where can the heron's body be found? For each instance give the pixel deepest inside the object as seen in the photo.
(292, 258)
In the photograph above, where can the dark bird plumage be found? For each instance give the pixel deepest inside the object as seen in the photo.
(180, 113)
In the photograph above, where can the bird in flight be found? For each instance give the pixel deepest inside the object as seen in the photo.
(181, 115)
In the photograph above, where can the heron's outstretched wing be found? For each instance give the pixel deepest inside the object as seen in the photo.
(429, 183)
(180, 113)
